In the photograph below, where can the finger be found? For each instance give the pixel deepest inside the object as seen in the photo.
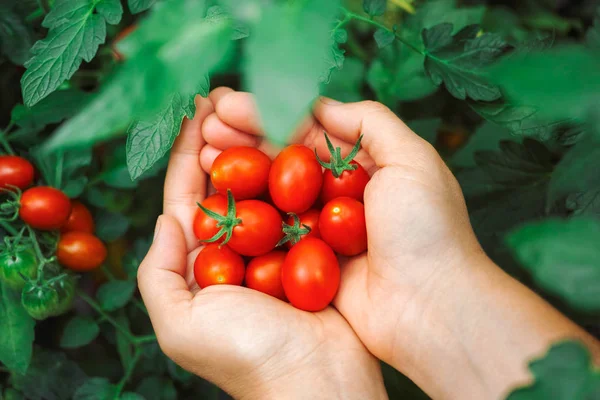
(238, 110)
(207, 157)
(216, 94)
(161, 276)
(185, 183)
(222, 136)
(386, 138)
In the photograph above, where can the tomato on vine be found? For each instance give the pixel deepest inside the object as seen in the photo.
(218, 265)
(250, 227)
(298, 227)
(44, 208)
(295, 179)
(310, 275)
(243, 170)
(343, 177)
(17, 265)
(80, 251)
(343, 226)
(64, 285)
(206, 227)
(15, 171)
(264, 274)
(39, 299)
(80, 219)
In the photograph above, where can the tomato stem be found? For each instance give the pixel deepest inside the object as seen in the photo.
(338, 164)
(293, 233)
(226, 222)
(4, 141)
(128, 371)
(8, 227)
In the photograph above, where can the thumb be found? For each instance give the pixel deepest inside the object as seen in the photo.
(161, 276)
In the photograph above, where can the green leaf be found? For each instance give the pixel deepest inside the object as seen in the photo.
(124, 347)
(79, 332)
(592, 36)
(565, 80)
(374, 7)
(75, 32)
(95, 389)
(177, 373)
(157, 388)
(51, 375)
(17, 331)
(170, 52)
(383, 37)
(426, 128)
(137, 6)
(565, 373)
(131, 396)
(111, 225)
(585, 203)
(134, 258)
(458, 61)
(218, 13)
(334, 56)
(563, 257)
(346, 84)
(110, 200)
(487, 137)
(115, 294)
(291, 64)
(16, 36)
(64, 170)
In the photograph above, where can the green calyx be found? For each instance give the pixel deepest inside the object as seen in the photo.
(293, 233)
(9, 209)
(226, 223)
(337, 163)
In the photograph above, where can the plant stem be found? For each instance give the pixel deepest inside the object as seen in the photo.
(5, 143)
(145, 339)
(140, 306)
(8, 228)
(107, 317)
(38, 251)
(128, 372)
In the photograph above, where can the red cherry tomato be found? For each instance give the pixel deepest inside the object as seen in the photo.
(15, 171)
(310, 275)
(295, 179)
(204, 226)
(264, 274)
(342, 226)
(80, 251)
(309, 218)
(351, 183)
(243, 170)
(216, 265)
(80, 219)
(259, 231)
(44, 208)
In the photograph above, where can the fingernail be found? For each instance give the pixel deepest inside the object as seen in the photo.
(330, 101)
(156, 228)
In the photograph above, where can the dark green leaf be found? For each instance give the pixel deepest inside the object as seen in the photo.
(177, 373)
(111, 200)
(115, 294)
(374, 7)
(134, 258)
(592, 37)
(64, 170)
(16, 36)
(565, 373)
(75, 34)
(95, 389)
(426, 128)
(334, 56)
(291, 64)
(585, 203)
(51, 376)
(157, 388)
(137, 6)
(563, 257)
(131, 396)
(346, 84)
(124, 347)
(79, 332)
(458, 61)
(487, 137)
(110, 225)
(17, 331)
(383, 37)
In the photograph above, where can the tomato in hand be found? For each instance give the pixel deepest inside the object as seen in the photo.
(44, 208)
(342, 226)
(310, 275)
(243, 170)
(296, 230)
(206, 227)
(80, 219)
(218, 265)
(17, 265)
(264, 274)
(80, 251)
(295, 179)
(15, 171)
(350, 183)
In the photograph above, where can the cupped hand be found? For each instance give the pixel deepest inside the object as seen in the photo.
(248, 343)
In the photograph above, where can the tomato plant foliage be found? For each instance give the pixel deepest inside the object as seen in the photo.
(508, 93)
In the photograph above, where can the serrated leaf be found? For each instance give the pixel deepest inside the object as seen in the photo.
(115, 294)
(17, 327)
(16, 37)
(458, 61)
(487, 137)
(171, 51)
(79, 332)
(374, 7)
(346, 84)
(298, 51)
(95, 389)
(383, 37)
(334, 56)
(218, 13)
(566, 372)
(137, 6)
(111, 225)
(74, 36)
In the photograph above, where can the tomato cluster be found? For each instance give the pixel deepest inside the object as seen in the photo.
(293, 260)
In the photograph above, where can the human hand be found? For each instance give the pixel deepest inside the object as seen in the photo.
(248, 343)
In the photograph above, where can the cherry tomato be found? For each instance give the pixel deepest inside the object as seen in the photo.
(80, 219)
(243, 170)
(65, 287)
(351, 183)
(44, 208)
(309, 218)
(259, 230)
(264, 274)
(17, 265)
(218, 265)
(343, 227)
(295, 179)
(39, 300)
(15, 171)
(310, 275)
(80, 251)
(206, 227)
